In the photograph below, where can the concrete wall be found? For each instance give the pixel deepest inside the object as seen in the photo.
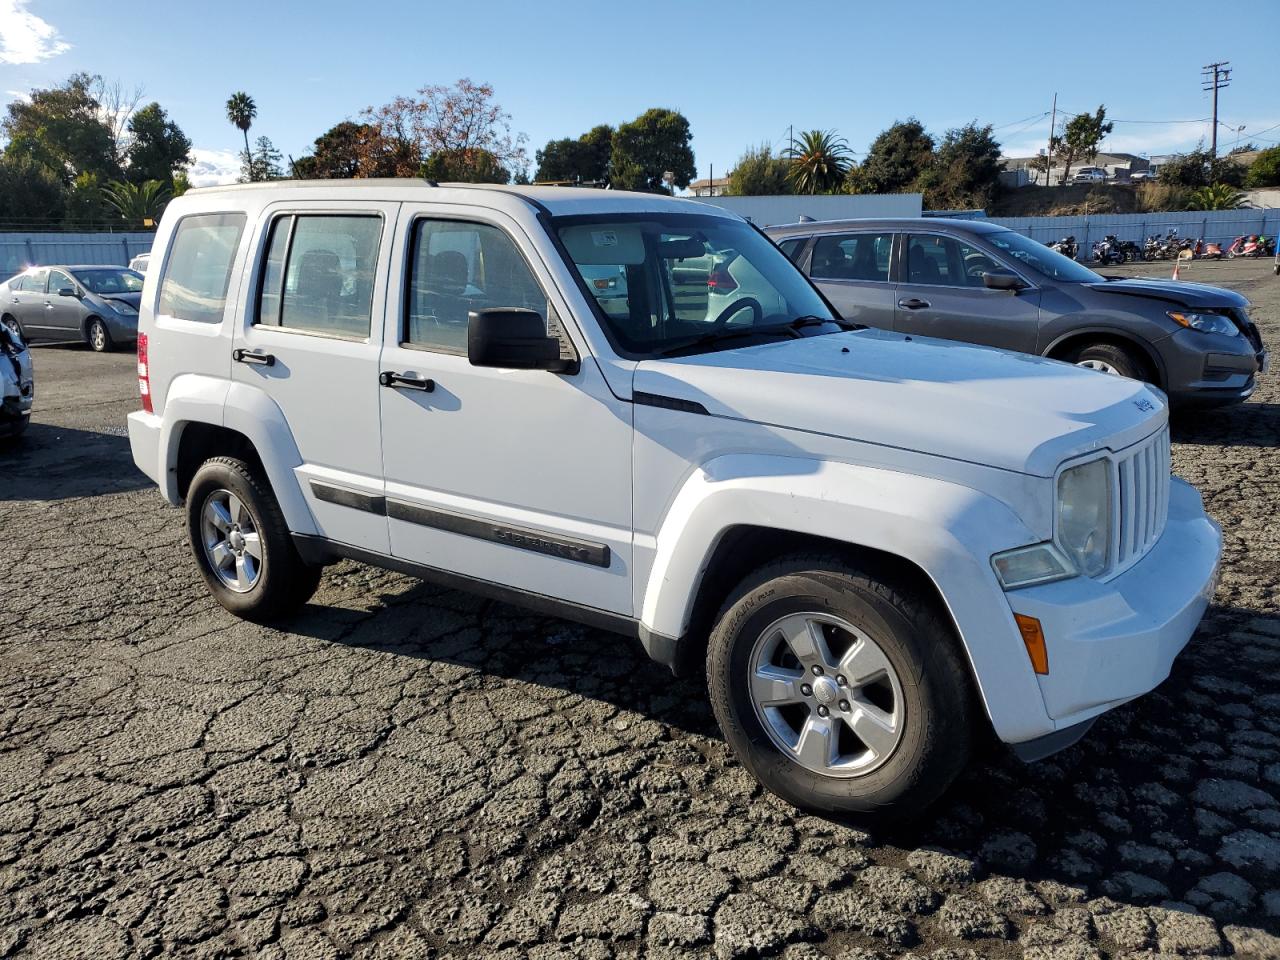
(21, 250)
(770, 211)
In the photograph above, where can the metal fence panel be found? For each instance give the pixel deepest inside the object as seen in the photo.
(1213, 226)
(21, 250)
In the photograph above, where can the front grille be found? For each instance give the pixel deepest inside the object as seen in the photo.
(1143, 494)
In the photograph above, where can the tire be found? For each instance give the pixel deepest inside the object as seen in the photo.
(98, 337)
(1111, 358)
(925, 688)
(15, 430)
(12, 323)
(272, 585)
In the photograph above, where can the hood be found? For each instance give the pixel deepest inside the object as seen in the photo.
(1174, 291)
(133, 299)
(940, 397)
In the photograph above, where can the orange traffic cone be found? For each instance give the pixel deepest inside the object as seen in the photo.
(1176, 263)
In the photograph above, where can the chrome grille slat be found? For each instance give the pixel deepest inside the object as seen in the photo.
(1143, 476)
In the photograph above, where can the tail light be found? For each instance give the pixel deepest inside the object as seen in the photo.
(144, 374)
(721, 281)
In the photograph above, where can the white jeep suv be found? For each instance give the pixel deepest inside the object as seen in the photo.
(876, 544)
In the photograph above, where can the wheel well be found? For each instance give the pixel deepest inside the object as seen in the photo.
(84, 325)
(745, 548)
(201, 441)
(1155, 372)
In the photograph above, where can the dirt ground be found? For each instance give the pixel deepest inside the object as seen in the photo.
(412, 772)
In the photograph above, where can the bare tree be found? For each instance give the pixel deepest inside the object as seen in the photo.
(116, 104)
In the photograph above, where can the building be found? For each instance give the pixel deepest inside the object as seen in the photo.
(1119, 166)
(709, 188)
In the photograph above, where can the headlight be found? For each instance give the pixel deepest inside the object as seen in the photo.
(1027, 566)
(1084, 516)
(1205, 322)
(124, 309)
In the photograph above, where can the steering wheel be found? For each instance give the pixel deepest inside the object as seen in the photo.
(757, 312)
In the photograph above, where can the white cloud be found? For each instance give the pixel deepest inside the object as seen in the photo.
(210, 168)
(18, 95)
(24, 37)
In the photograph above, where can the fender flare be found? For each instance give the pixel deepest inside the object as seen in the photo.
(196, 398)
(947, 530)
(1116, 333)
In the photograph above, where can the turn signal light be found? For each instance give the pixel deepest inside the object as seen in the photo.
(1033, 638)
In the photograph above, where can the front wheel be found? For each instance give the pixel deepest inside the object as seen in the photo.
(839, 692)
(1109, 358)
(242, 544)
(98, 337)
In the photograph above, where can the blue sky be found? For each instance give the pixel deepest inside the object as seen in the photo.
(741, 72)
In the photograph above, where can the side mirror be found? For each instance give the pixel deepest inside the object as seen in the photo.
(512, 338)
(1002, 281)
(66, 291)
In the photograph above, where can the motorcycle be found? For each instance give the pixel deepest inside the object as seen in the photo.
(1206, 251)
(1107, 251)
(1067, 246)
(1131, 251)
(1249, 246)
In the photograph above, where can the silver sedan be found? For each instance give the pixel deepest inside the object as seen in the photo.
(96, 304)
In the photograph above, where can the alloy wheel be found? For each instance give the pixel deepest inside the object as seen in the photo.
(827, 694)
(231, 541)
(1100, 365)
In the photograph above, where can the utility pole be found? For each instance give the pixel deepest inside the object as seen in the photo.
(1217, 76)
(1048, 160)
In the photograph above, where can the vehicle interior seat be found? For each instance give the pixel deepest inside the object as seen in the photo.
(864, 262)
(319, 288)
(921, 267)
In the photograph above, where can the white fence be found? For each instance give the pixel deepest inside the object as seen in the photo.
(771, 211)
(21, 250)
(1214, 226)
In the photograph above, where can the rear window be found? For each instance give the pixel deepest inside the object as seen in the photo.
(198, 268)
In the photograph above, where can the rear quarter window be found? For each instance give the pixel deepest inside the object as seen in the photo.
(198, 267)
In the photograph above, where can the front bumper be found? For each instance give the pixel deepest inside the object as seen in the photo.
(1111, 641)
(123, 329)
(1210, 368)
(17, 390)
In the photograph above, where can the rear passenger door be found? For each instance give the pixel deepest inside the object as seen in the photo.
(852, 269)
(28, 303)
(942, 294)
(310, 341)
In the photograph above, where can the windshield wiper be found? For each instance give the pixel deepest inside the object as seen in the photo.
(812, 320)
(784, 330)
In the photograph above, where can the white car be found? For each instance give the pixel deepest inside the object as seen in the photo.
(140, 263)
(1089, 175)
(878, 545)
(1138, 176)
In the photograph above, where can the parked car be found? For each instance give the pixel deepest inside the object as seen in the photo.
(1089, 175)
(878, 545)
(984, 284)
(17, 383)
(140, 263)
(96, 304)
(1138, 176)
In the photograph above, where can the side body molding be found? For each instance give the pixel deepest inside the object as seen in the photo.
(947, 530)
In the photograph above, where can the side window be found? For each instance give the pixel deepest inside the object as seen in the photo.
(792, 248)
(935, 261)
(975, 263)
(34, 281)
(852, 256)
(59, 281)
(318, 275)
(458, 267)
(194, 286)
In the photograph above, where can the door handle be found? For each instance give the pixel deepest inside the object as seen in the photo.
(246, 356)
(405, 382)
(911, 303)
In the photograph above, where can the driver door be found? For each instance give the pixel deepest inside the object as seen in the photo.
(942, 294)
(519, 478)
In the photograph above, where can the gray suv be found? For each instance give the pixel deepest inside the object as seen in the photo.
(983, 283)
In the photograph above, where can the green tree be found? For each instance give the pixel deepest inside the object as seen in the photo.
(1080, 138)
(336, 154)
(1265, 169)
(61, 130)
(137, 202)
(965, 172)
(31, 195)
(1200, 168)
(159, 148)
(263, 163)
(819, 162)
(241, 112)
(758, 173)
(897, 157)
(86, 205)
(1217, 196)
(581, 160)
(654, 143)
(181, 183)
(465, 166)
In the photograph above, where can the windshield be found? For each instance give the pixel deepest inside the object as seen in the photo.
(664, 282)
(110, 280)
(1041, 259)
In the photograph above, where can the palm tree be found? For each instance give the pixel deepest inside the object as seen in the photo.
(819, 161)
(137, 203)
(240, 111)
(1218, 196)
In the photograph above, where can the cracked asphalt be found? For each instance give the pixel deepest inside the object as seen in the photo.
(412, 772)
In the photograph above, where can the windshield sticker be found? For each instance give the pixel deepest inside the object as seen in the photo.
(604, 238)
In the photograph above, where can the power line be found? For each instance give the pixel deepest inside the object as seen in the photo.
(1217, 77)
